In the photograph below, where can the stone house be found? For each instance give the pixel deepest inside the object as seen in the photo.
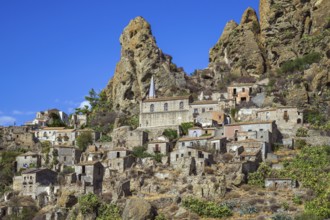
(280, 183)
(48, 134)
(120, 164)
(126, 137)
(68, 155)
(199, 107)
(20, 135)
(164, 111)
(119, 159)
(90, 176)
(43, 117)
(195, 142)
(217, 145)
(261, 130)
(159, 146)
(78, 121)
(201, 159)
(241, 92)
(285, 117)
(212, 119)
(251, 155)
(195, 132)
(93, 153)
(34, 182)
(27, 160)
(118, 153)
(251, 145)
(199, 132)
(65, 137)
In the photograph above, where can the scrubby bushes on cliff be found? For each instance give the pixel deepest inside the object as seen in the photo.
(206, 208)
(300, 63)
(90, 203)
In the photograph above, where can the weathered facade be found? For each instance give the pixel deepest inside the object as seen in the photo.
(68, 155)
(166, 111)
(38, 181)
(240, 92)
(90, 176)
(158, 146)
(27, 160)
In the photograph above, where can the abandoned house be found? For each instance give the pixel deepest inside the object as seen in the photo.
(34, 182)
(27, 160)
(159, 147)
(119, 159)
(68, 155)
(90, 176)
(200, 158)
(240, 92)
(263, 131)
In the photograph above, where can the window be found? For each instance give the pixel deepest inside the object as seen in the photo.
(181, 105)
(189, 153)
(195, 110)
(250, 89)
(64, 158)
(203, 110)
(118, 154)
(211, 109)
(165, 107)
(152, 108)
(181, 155)
(243, 89)
(182, 144)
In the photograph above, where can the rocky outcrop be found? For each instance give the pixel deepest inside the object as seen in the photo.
(138, 209)
(140, 59)
(254, 48)
(238, 47)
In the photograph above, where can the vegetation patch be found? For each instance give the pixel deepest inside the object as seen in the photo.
(300, 63)
(206, 208)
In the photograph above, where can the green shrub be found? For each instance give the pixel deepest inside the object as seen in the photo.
(140, 152)
(206, 208)
(185, 126)
(310, 168)
(84, 139)
(105, 138)
(299, 143)
(314, 117)
(108, 212)
(297, 200)
(171, 134)
(161, 216)
(258, 178)
(302, 132)
(88, 203)
(300, 63)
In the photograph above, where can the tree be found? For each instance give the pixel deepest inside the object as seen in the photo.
(93, 98)
(84, 139)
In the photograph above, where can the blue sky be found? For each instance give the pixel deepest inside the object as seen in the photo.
(53, 52)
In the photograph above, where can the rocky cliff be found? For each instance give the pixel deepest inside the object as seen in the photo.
(255, 48)
(140, 59)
